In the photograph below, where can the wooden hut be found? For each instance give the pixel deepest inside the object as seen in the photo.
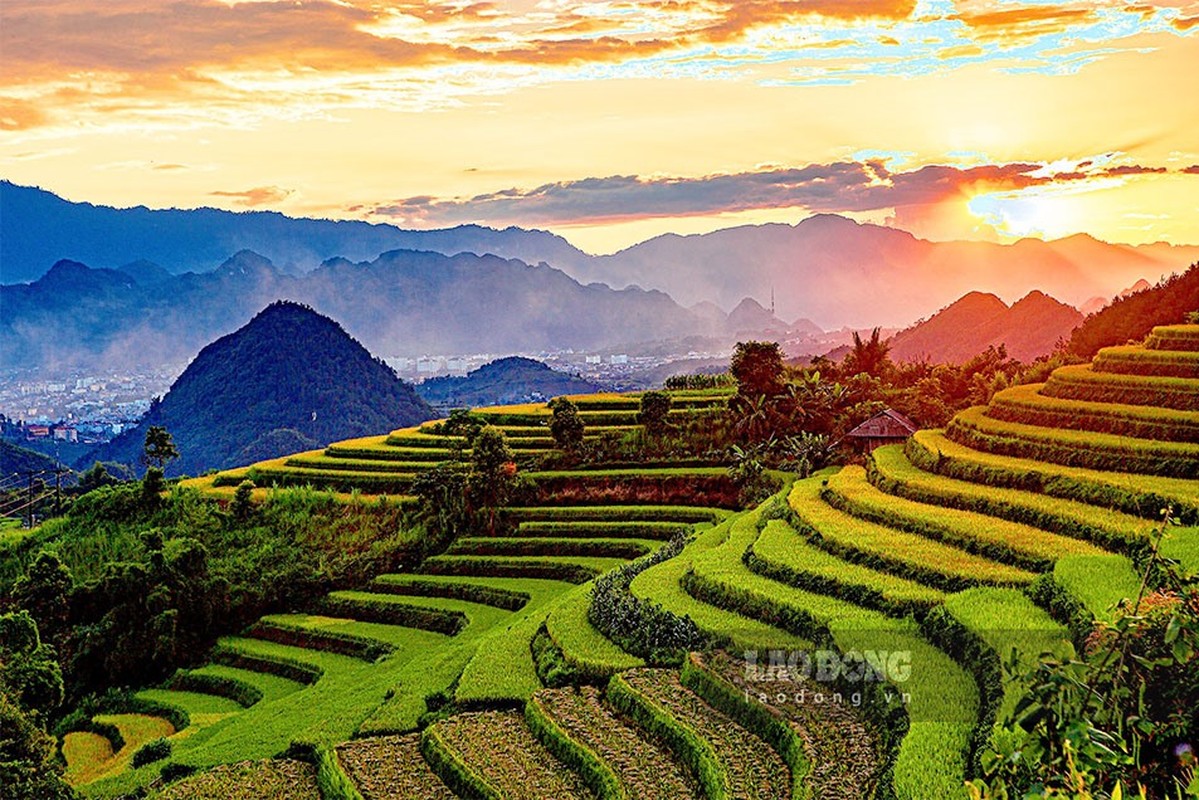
(886, 427)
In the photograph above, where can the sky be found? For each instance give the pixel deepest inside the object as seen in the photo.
(613, 121)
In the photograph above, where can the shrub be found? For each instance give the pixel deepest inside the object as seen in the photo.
(637, 626)
(654, 414)
(150, 752)
(567, 426)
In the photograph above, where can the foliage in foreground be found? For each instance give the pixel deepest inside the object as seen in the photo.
(1123, 720)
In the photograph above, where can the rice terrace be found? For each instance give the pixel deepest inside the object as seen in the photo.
(674, 628)
(599, 400)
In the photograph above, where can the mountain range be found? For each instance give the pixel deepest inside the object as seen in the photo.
(838, 272)
(1028, 328)
(826, 269)
(289, 380)
(39, 228)
(403, 302)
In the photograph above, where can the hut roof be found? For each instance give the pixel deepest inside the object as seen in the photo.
(886, 424)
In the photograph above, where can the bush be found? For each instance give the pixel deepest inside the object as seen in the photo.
(176, 772)
(637, 626)
(567, 426)
(654, 415)
(150, 752)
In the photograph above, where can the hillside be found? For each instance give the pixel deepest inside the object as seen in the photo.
(1029, 328)
(1013, 529)
(38, 228)
(16, 460)
(503, 381)
(403, 302)
(290, 376)
(1131, 316)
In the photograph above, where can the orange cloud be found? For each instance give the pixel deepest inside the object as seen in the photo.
(257, 196)
(1025, 20)
(41, 37)
(1185, 23)
(145, 36)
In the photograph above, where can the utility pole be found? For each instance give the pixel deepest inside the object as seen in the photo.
(58, 470)
(29, 503)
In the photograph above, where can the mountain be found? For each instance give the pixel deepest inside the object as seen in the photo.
(39, 228)
(751, 316)
(1132, 315)
(826, 268)
(289, 376)
(506, 380)
(1029, 328)
(838, 272)
(145, 273)
(404, 302)
(1099, 303)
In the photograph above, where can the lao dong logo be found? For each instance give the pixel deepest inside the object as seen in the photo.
(830, 666)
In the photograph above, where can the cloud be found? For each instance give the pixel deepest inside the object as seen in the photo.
(114, 63)
(1133, 169)
(1041, 18)
(839, 187)
(258, 196)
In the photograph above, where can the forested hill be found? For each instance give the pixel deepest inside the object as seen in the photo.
(1131, 317)
(289, 379)
(505, 380)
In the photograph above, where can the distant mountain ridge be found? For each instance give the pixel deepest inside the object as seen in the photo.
(505, 380)
(38, 228)
(403, 302)
(838, 272)
(826, 268)
(1031, 327)
(288, 379)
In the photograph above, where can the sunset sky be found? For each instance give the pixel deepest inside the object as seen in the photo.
(609, 122)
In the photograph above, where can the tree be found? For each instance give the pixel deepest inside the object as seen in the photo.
(95, 477)
(655, 413)
(45, 592)
(871, 357)
(159, 448)
(566, 426)
(28, 766)
(243, 501)
(758, 368)
(443, 508)
(492, 474)
(28, 668)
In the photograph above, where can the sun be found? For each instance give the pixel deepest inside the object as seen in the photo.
(1040, 213)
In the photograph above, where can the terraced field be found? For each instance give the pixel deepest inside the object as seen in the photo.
(915, 576)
